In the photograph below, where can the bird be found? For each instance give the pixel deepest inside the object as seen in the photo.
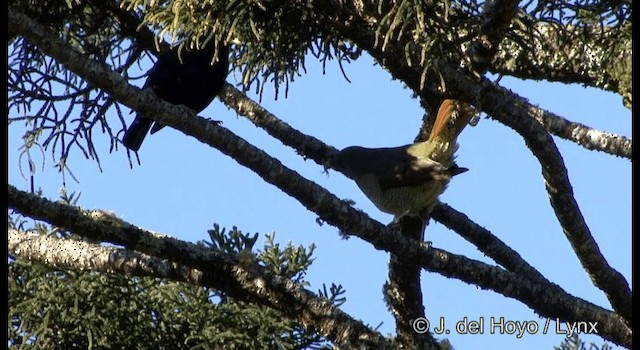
(407, 180)
(188, 78)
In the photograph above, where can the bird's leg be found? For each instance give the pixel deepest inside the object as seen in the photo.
(395, 224)
(217, 122)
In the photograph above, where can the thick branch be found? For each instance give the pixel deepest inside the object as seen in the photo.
(403, 292)
(494, 22)
(314, 197)
(80, 255)
(512, 111)
(361, 30)
(486, 242)
(547, 300)
(189, 263)
(515, 112)
(585, 136)
(593, 56)
(306, 145)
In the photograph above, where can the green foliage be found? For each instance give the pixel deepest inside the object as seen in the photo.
(582, 12)
(63, 111)
(232, 242)
(575, 343)
(445, 344)
(271, 41)
(335, 293)
(54, 309)
(90, 29)
(53, 13)
(275, 36)
(290, 262)
(51, 309)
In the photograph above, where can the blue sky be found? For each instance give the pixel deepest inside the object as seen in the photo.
(183, 187)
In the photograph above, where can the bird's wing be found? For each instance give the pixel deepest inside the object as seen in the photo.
(412, 171)
(165, 71)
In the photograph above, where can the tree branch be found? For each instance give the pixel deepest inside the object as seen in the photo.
(359, 27)
(80, 255)
(198, 266)
(547, 300)
(314, 197)
(486, 242)
(515, 112)
(494, 22)
(403, 291)
(593, 56)
(585, 136)
(305, 145)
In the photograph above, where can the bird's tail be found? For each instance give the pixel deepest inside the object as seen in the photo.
(136, 133)
(444, 127)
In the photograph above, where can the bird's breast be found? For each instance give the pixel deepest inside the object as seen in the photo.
(401, 201)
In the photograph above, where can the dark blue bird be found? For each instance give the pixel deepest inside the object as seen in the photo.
(190, 80)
